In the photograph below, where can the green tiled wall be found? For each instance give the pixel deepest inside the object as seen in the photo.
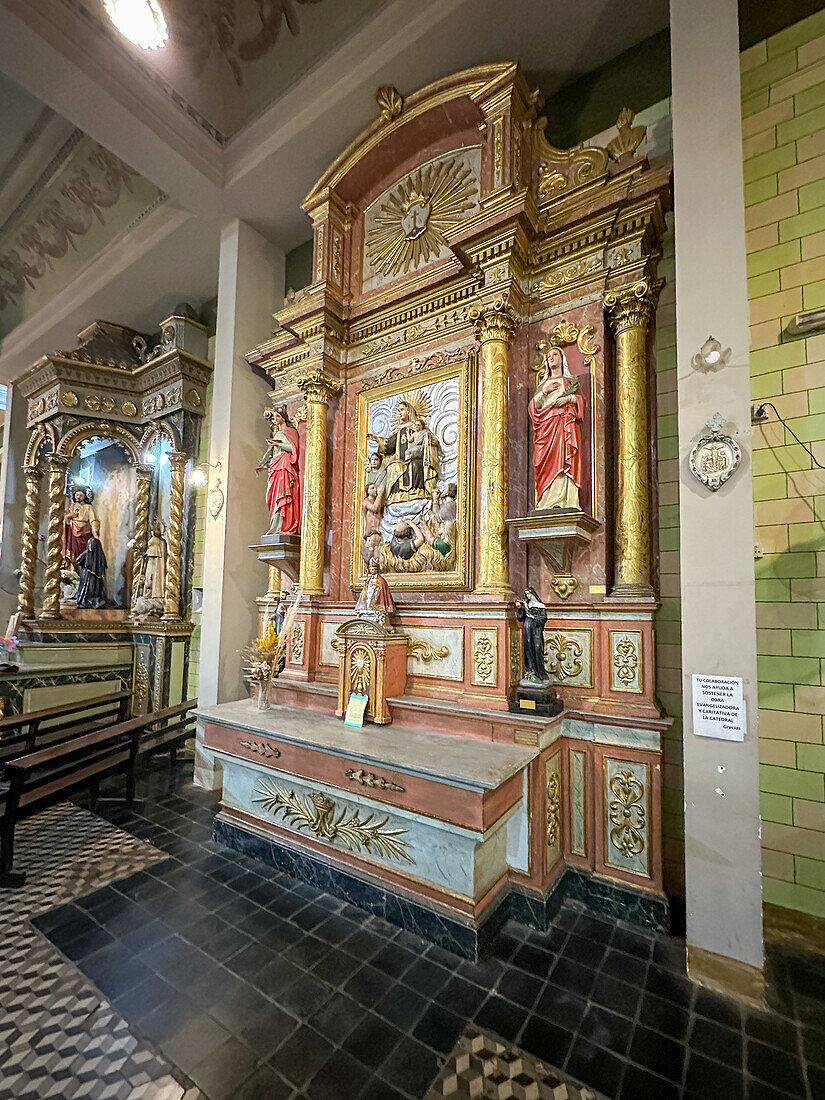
(783, 120)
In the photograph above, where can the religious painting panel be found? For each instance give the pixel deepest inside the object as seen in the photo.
(413, 486)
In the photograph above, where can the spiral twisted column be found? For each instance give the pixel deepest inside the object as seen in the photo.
(144, 482)
(28, 557)
(318, 388)
(57, 465)
(495, 328)
(171, 594)
(630, 311)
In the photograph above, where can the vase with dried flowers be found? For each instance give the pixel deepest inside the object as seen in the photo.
(265, 658)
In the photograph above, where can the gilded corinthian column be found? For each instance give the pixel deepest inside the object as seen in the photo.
(28, 556)
(495, 327)
(57, 465)
(630, 311)
(144, 481)
(171, 593)
(318, 388)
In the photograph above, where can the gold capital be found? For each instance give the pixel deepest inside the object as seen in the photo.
(318, 386)
(496, 321)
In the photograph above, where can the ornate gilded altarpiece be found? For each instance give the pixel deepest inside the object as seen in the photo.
(129, 407)
(467, 270)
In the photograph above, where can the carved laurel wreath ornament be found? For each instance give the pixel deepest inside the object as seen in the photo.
(318, 814)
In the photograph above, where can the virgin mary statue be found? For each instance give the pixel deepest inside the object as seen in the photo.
(557, 410)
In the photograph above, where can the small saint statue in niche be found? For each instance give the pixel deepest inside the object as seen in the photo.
(557, 410)
(80, 524)
(283, 487)
(532, 613)
(154, 577)
(375, 600)
(92, 565)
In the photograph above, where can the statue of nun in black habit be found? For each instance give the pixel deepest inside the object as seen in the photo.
(533, 614)
(92, 565)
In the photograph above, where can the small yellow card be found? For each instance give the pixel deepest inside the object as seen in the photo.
(356, 709)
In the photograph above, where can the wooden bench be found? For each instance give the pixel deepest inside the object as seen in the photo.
(24, 733)
(34, 780)
(168, 729)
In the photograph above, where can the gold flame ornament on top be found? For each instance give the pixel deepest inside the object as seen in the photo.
(409, 228)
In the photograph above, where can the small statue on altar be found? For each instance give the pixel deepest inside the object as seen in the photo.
(92, 564)
(375, 600)
(377, 476)
(283, 487)
(372, 509)
(532, 612)
(556, 411)
(80, 524)
(154, 577)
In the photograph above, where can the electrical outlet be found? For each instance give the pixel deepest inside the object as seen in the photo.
(759, 413)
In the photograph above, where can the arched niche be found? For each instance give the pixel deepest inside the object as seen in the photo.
(102, 459)
(156, 444)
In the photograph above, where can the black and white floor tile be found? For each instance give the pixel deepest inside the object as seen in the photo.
(254, 986)
(58, 1036)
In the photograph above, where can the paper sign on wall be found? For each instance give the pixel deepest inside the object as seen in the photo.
(718, 707)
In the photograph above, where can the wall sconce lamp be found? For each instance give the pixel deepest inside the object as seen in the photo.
(200, 478)
(711, 355)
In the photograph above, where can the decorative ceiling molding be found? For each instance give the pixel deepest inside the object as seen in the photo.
(46, 175)
(96, 183)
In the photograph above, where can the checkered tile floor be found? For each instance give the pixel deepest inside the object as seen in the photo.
(58, 1036)
(258, 987)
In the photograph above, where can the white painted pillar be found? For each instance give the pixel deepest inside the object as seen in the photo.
(722, 826)
(250, 288)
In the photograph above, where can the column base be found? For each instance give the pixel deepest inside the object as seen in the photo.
(725, 975)
(632, 592)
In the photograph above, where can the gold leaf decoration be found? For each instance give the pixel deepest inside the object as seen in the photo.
(318, 814)
(423, 651)
(410, 225)
(627, 814)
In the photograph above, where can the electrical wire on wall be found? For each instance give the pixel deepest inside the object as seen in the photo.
(760, 417)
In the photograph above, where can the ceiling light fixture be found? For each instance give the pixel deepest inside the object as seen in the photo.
(141, 21)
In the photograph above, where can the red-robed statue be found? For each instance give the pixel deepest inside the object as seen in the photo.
(283, 486)
(80, 523)
(375, 599)
(557, 410)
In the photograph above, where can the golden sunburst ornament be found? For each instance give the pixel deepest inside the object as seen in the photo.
(417, 402)
(410, 226)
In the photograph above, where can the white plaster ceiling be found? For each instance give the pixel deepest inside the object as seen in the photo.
(19, 112)
(64, 56)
